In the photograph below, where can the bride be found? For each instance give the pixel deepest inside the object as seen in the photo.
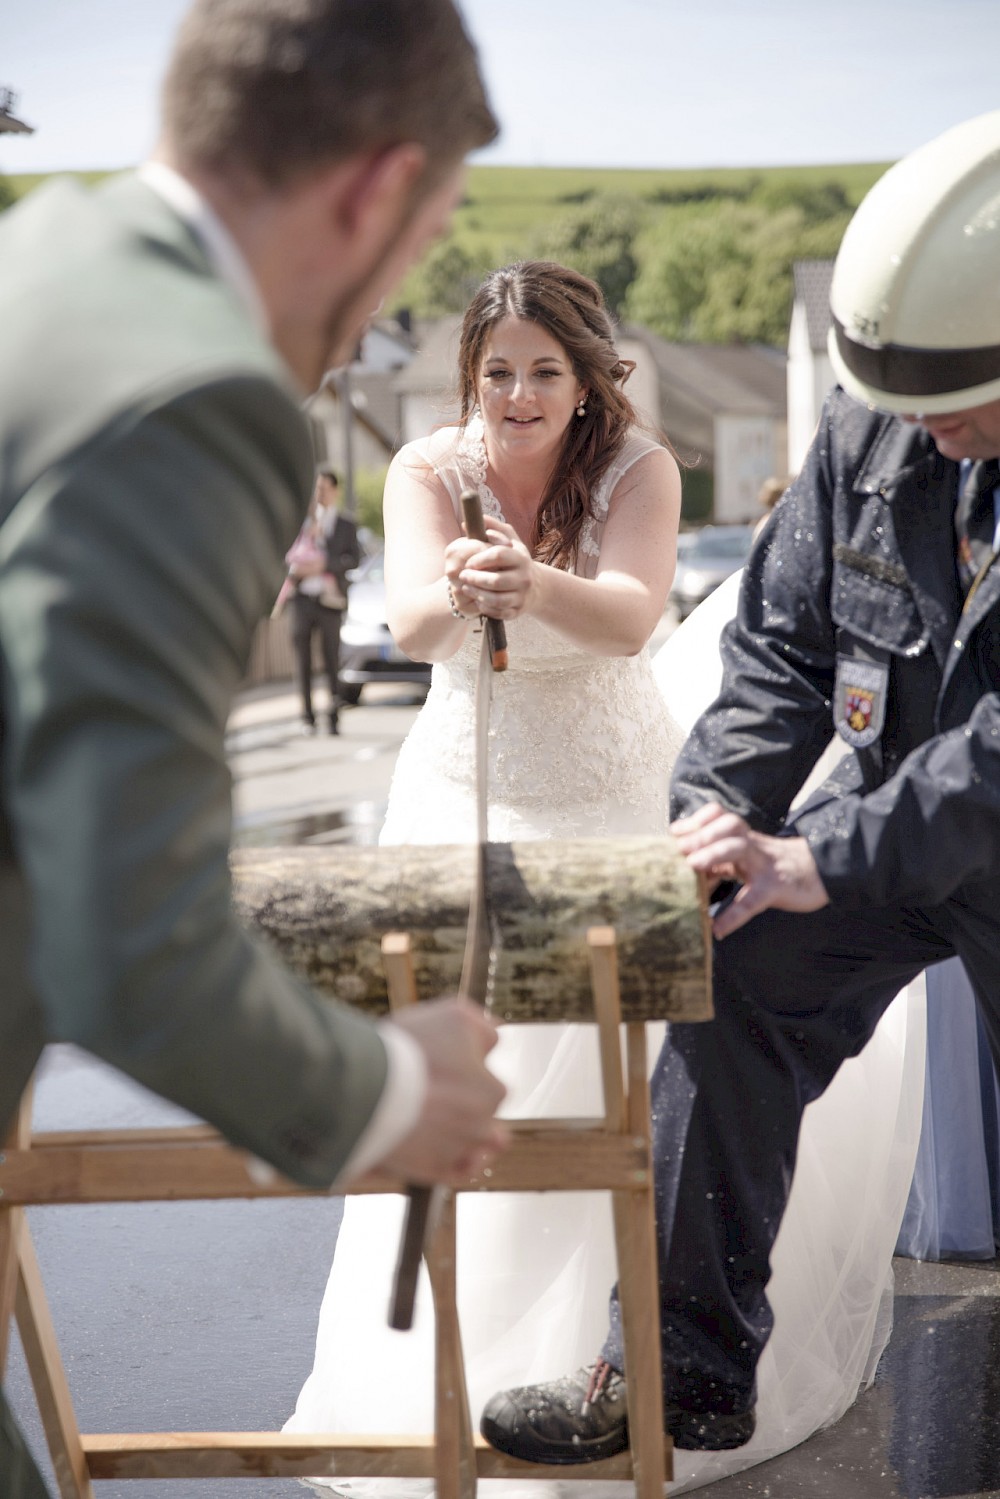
(582, 510)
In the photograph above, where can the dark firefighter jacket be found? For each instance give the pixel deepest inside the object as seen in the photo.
(850, 619)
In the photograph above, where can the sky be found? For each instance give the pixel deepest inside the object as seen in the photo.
(614, 83)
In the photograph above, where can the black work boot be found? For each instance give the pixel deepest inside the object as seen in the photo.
(583, 1418)
(578, 1419)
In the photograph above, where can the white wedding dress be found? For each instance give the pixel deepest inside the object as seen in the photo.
(581, 746)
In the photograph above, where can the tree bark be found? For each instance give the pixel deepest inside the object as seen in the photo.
(326, 911)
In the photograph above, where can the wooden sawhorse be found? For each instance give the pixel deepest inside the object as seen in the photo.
(610, 1154)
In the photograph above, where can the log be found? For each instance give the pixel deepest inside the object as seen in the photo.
(326, 911)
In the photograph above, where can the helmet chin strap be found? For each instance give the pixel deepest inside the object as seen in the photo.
(900, 371)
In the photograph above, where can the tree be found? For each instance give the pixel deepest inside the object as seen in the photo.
(818, 201)
(368, 486)
(724, 274)
(445, 280)
(598, 238)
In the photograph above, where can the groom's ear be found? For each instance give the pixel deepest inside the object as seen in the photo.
(378, 191)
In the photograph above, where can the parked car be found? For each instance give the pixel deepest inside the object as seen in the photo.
(368, 652)
(705, 559)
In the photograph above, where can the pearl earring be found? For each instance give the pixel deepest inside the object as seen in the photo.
(581, 410)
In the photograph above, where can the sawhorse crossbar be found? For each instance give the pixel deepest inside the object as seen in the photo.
(610, 1154)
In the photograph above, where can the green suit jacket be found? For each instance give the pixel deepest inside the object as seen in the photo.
(154, 467)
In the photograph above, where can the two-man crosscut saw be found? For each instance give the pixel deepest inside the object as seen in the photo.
(475, 979)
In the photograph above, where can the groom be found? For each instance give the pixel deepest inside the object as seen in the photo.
(870, 607)
(160, 334)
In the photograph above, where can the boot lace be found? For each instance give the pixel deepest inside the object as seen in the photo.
(600, 1372)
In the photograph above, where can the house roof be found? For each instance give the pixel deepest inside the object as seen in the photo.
(434, 366)
(388, 333)
(748, 379)
(699, 382)
(374, 403)
(812, 280)
(9, 123)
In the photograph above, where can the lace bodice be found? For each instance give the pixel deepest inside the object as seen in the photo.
(580, 745)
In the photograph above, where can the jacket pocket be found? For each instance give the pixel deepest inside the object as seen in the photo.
(877, 620)
(871, 602)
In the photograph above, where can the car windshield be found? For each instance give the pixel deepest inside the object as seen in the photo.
(726, 542)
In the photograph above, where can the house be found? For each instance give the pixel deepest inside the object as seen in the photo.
(810, 373)
(723, 408)
(427, 388)
(366, 390)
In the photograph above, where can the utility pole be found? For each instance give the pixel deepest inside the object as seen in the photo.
(347, 417)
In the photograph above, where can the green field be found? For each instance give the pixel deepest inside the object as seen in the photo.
(510, 201)
(526, 192)
(24, 182)
(505, 207)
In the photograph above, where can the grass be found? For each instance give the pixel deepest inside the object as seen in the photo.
(508, 200)
(551, 185)
(22, 183)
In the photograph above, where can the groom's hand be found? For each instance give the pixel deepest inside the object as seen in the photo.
(773, 873)
(456, 1133)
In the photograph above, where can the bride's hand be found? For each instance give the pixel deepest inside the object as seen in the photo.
(499, 578)
(458, 555)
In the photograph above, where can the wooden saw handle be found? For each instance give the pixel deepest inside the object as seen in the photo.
(475, 526)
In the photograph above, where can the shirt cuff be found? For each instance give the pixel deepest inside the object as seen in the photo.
(399, 1105)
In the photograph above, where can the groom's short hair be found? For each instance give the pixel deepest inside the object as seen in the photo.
(275, 88)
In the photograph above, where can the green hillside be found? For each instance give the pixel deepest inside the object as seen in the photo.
(699, 254)
(513, 200)
(24, 182)
(702, 255)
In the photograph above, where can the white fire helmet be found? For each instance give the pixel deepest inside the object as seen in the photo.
(916, 288)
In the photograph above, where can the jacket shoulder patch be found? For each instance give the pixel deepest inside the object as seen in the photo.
(859, 699)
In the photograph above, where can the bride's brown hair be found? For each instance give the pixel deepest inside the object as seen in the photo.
(571, 308)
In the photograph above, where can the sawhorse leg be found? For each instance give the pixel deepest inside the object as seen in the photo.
(635, 1225)
(22, 1294)
(455, 1458)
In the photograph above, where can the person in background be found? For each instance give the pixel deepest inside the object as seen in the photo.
(319, 560)
(160, 335)
(768, 495)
